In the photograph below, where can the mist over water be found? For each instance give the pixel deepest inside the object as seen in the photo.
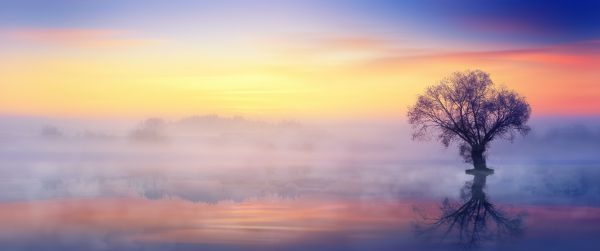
(229, 183)
(105, 145)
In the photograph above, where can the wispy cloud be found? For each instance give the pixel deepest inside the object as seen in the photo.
(582, 54)
(76, 37)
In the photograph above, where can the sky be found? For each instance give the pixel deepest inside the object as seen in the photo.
(288, 59)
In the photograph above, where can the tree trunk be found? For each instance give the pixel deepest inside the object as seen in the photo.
(478, 185)
(477, 154)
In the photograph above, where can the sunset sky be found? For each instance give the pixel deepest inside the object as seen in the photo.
(282, 125)
(288, 59)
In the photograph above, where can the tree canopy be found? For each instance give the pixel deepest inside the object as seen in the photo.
(469, 108)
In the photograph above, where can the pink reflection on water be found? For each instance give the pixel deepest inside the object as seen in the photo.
(267, 221)
(264, 221)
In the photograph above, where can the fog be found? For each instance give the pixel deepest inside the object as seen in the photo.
(214, 158)
(231, 183)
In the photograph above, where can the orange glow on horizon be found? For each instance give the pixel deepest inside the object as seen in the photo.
(342, 77)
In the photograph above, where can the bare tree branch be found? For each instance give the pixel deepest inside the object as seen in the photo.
(467, 107)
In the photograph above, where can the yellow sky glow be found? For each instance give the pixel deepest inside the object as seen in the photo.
(88, 75)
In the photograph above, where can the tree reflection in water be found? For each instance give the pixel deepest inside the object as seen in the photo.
(472, 222)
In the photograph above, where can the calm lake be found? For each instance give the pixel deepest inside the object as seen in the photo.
(363, 188)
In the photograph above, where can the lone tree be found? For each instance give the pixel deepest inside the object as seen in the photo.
(468, 108)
